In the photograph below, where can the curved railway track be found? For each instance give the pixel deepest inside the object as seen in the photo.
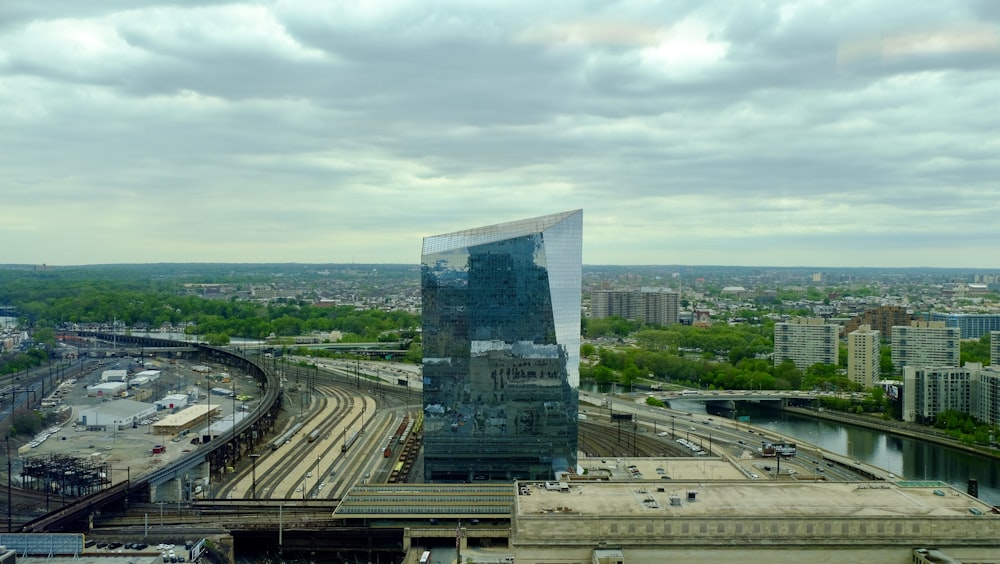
(305, 468)
(327, 398)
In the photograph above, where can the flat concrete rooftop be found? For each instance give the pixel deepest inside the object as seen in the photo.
(673, 468)
(786, 499)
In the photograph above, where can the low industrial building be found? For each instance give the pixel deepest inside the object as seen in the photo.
(123, 413)
(152, 375)
(106, 389)
(183, 421)
(114, 375)
(173, 401)
(221, 428)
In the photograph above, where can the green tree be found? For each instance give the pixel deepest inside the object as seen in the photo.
(603, 375)
(45, 336)
(217, 339)
(976, 351)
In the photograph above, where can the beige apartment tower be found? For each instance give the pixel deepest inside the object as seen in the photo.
(806, 341)
(864, 356)
(925, 343)
(649, 305)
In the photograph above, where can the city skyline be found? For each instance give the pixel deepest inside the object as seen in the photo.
(774, 133)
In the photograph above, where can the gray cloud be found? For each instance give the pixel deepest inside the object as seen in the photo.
(690, 132)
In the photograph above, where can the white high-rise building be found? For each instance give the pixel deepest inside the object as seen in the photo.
(864, 356)
(987, 396)
(930, 390)
(806, 341)
(925, 343)
(995, 348)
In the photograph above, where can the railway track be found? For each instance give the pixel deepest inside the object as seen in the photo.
(603, 439)
(334, 401)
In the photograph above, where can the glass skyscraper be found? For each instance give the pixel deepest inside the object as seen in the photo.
(501, 341)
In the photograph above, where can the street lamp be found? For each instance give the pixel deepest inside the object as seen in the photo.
(673, 434)
(318, 458)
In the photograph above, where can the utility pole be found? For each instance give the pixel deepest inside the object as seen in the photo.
(10, 486)
(253, 487)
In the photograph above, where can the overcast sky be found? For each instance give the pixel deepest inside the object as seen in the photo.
(847, 133)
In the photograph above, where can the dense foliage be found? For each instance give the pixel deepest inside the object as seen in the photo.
(13, 363)
(965, 428)
(51, 300)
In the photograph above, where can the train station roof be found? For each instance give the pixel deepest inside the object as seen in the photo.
(423, 501)
(676, 498)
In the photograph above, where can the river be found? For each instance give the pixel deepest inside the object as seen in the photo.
(912, 459)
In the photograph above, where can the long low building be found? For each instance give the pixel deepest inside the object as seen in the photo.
(184, 420)
(121, 412)
(655, 521)
(738, 522)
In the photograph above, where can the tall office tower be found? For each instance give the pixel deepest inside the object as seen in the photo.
(995, 349)
(806, 341)
(925, 343)
(501, 340)
(864, 356)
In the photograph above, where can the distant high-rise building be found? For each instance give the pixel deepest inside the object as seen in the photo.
(881, 319)
(925, 343)
(864, 356)
(660, 306)
(972, 325)
(501, 343)
(929, 390)
(649, 305)
(973, 389)
(614, 303)
(986, 396)
(806, 341)
(995, 349)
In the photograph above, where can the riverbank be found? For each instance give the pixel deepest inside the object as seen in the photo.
(909, 430)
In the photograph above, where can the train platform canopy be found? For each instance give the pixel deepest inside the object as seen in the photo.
(427, 501)
(183, 419)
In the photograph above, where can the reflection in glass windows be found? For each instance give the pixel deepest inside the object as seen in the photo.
(501, 338)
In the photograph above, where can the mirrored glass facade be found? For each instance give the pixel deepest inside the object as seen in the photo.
(501, 339)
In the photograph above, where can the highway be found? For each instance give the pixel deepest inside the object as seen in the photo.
(740, 443)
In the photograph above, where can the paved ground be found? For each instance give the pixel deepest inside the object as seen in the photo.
(128, 452)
